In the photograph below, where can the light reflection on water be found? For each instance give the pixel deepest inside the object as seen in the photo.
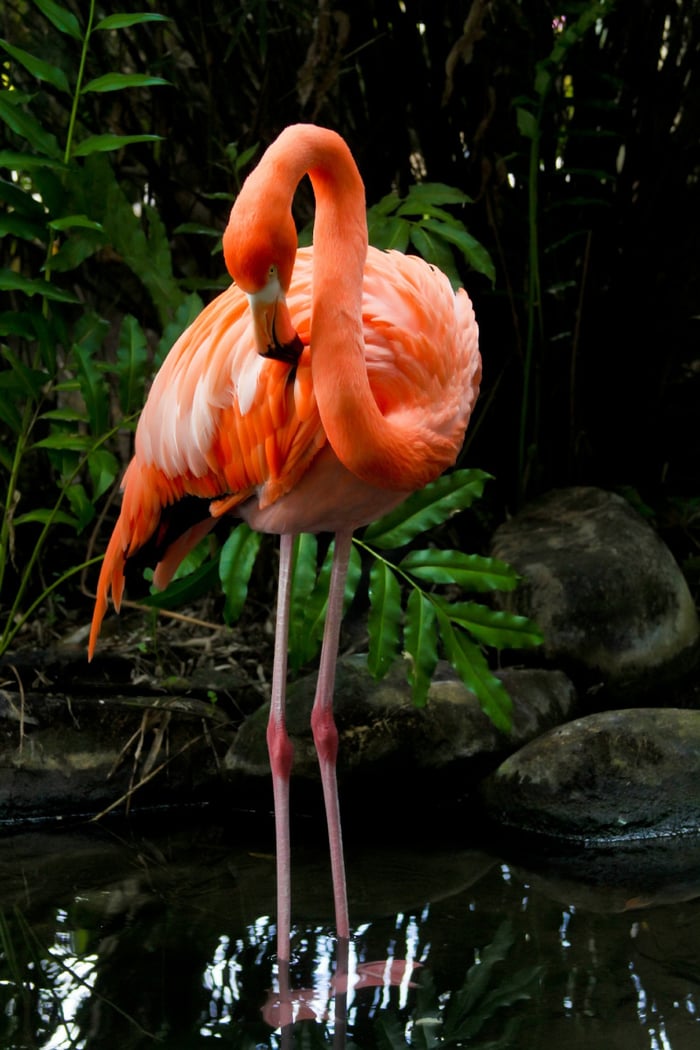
(170, 941)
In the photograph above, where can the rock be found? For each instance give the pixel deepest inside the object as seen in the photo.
(62, 758)
(608, 777)
(602, 586)
(383, 735)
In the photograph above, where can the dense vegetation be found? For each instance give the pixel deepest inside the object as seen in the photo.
(567, 136)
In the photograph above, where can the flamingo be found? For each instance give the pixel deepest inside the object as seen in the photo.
(313, 395)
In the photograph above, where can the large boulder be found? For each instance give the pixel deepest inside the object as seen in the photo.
(603, 587)
(385, 738)
(608, 777)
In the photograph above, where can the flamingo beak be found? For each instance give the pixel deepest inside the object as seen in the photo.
(273, 331)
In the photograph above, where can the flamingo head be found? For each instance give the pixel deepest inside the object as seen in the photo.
(260, 246)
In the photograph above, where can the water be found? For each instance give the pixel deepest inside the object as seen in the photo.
(162, 933)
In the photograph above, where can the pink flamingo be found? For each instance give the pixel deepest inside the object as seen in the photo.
(315, 394)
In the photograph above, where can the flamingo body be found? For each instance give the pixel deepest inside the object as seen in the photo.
(314, 394)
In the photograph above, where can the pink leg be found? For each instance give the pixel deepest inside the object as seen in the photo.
(324, 728)
(280, 750)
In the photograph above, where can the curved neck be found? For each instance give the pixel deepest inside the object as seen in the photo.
(366, 442)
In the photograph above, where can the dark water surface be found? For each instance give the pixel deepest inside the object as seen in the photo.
(161, 933)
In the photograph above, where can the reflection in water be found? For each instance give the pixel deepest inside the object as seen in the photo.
(167, 940)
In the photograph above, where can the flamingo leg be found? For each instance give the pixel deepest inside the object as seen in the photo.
(324, 727)
(280, 750)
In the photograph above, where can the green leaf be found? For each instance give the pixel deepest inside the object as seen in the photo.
(236, 563)
(304, 570)
(64, 415)
(75, 249)
(527, 123)
(67, 441)
(16, 161)
(132, 365)
(198, 228)
(389, 233)
(502, 630)
(37, 67)
(435, 250)
(44, 516)
(423, 510)
(470, 664)
(420, 644)
(185, 589)
(106, 143)
(13, 224)
(64, 20)
(130, 19)
(384, 620)
(27, 128)
(104, 469)
(120, 81)
(14, 282)
(470, 571)
(68, 222)
(32, 380)
(426, 194)
(310, 632)
(81, 505)
(93, 386)
(474, 253)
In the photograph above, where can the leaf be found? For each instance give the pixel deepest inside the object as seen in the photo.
(236, 563)
(37, 67)
(198, 228)
(527, 123)
(474, 252)
(123, 21)
(302, 585)
(71, 221)
(66, 441)
(28, 129)
(464, 1002)
(471, 666)
(44, 516)
(308, 639)
(384, 620)
(13, 224)
(473, 572)
(103, 468)
(105, 143)
(92, 385)
(63, 20)
(16, 161)
(14, 282)
(423, 510)
(435, 250)
(81, 505)
(420, 644)
(185, 589)
(389, 233)
(502, 630)
(132, 364)
(31, 379)
(120, 81)
(426, 194)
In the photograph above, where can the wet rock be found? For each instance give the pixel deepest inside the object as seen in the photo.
(383, 735)
(603, 587)
(61, 757)
(608, 777)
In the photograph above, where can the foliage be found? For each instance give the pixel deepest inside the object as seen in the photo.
(64, 206)
(67, 206)
(555, 99)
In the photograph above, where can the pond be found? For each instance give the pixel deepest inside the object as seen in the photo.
(160, 931)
